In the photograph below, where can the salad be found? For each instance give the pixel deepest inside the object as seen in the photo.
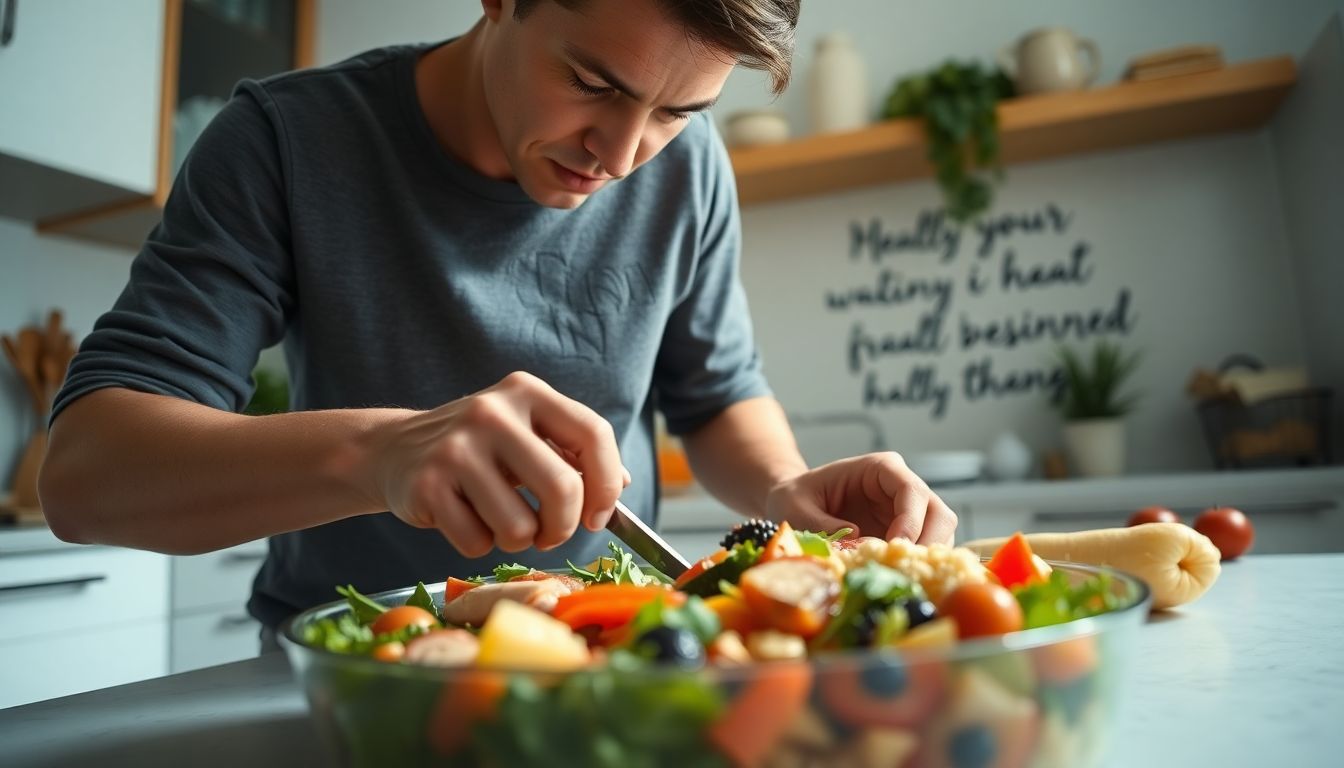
(780, 648)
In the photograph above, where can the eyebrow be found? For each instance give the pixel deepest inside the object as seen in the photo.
(593, 65)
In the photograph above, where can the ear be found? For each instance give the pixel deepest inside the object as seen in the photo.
(494, 9)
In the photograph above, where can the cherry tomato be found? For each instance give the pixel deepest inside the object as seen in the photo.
(401, 617)
(392, 651)
(982, 609)
(1228, 529)
(1154, 515)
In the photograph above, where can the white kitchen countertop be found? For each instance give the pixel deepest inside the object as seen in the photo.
(1250, 674)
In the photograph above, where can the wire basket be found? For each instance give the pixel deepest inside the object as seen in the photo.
(1287, 430)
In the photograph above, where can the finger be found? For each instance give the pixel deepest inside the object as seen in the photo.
(940, 523)
(498, 505)
(590, 440)
(557, 486)
(907, 495)
(461, 526)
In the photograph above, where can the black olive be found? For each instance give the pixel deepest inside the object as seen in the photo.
(919, 611)
(672, 645)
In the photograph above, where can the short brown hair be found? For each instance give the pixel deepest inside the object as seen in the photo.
(759, 32)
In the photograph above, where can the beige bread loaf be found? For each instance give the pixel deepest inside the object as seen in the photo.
(1177, 562)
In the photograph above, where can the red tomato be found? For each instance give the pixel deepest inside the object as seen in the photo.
(1153, 515)
(1228, 529)
(392, 651)
(401, 617)
(982, 609)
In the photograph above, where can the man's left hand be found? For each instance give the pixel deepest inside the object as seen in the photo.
(875, 494)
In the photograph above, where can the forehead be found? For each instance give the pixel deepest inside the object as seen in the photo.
(637, 39)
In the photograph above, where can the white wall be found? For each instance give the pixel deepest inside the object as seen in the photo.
(1194, 229)
(38, 274)
(1311, 164)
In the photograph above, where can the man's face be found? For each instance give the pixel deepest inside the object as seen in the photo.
(582, 97)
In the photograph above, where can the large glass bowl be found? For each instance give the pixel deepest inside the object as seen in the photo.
(1041, 697)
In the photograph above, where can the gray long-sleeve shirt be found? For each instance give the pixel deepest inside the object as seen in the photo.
(318, 208)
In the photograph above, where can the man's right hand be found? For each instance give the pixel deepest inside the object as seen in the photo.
(458, 468)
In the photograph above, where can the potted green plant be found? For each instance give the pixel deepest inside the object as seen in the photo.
(1094, 409)
(271, 394)
(957, 103)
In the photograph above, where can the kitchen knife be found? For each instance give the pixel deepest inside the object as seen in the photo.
(647, 544)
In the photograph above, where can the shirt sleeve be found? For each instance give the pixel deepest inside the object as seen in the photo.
(213, 283)
(708, 359)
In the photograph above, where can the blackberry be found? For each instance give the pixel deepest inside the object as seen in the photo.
(755, 529)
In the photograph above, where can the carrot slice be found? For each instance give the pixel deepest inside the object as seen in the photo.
(762, 713)
(610, 605)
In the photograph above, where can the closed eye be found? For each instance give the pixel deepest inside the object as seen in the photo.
(588, 89)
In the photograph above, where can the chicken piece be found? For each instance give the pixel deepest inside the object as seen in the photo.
(473, 606)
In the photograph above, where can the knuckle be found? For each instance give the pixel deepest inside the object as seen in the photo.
(474, 546)
(453, 451)
(521, 381)
(516, 533)
(488, 411)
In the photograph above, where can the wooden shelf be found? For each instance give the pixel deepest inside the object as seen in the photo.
(1235, 98)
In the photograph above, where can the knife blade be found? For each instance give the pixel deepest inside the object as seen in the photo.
(627, 527)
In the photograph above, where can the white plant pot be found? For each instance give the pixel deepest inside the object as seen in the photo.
(1096, 446)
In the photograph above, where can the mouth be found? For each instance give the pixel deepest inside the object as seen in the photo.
(576, 182)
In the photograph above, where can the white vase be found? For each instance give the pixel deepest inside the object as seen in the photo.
(1096, 446)
(838, 87)
(1009, 458)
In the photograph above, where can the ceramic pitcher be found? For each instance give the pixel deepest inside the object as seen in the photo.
(1051, 59)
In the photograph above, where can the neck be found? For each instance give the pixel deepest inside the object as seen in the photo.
(450, 85)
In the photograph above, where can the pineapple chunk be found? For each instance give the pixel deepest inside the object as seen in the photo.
(518, 637)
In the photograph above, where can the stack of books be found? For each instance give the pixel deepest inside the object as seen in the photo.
(1185, 60)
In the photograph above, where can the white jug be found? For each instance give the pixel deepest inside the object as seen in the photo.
(1049, 59)
(838, 91)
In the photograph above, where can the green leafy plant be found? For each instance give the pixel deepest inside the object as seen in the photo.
(1092, 391)
(271, 395)
(957, 103)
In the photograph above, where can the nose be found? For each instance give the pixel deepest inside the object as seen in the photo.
(615, 141)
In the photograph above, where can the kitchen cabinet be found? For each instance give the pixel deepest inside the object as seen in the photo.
(1236, 98)
(79, 91)
(210, 623)
(76, 618)
(184, 54)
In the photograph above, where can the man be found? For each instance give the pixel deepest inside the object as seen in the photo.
(421, 225)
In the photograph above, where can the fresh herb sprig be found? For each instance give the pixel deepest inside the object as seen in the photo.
(620, 568)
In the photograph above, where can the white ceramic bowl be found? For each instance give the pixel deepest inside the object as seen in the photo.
(762, 126)
(939, 467)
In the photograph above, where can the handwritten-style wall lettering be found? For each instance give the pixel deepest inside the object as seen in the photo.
(906, 321)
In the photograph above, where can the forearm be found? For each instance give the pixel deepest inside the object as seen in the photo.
(155, 472)
(744, 452)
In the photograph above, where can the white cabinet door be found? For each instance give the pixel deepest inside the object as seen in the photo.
(73, 662)
(220, 579)
(214, 637)
(79, 618)
(77, 590)
(80, 83)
